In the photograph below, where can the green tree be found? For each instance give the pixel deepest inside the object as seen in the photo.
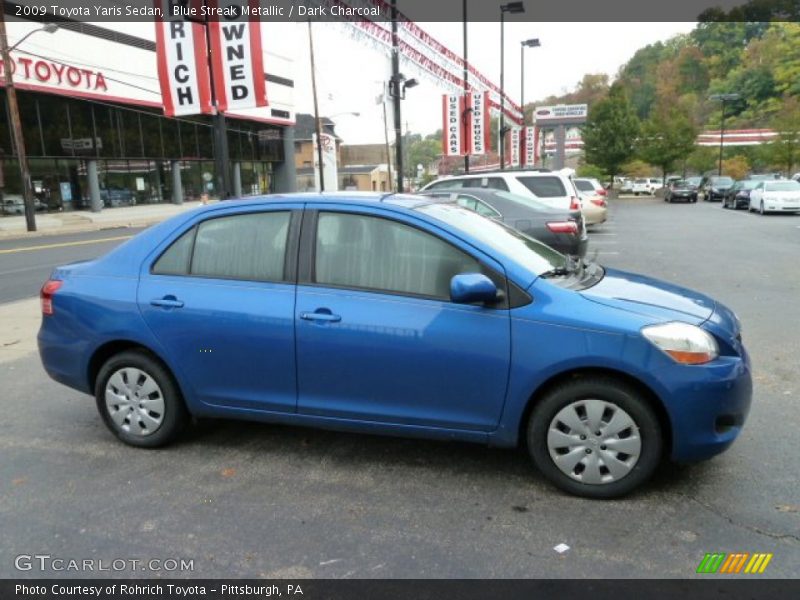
(785, 150)
(610, 132)
(702, 159)
(666, 137)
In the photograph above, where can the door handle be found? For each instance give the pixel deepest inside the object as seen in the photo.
(321, 316)
(167, 302)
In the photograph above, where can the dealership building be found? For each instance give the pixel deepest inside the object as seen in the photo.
(91, 111)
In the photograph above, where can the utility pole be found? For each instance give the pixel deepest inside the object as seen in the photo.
(16, 127)
(317, 125)
(502, 135)
(466, 76)
(722, 98)
(398, 124)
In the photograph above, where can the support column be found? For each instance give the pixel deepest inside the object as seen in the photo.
(237, 180)
(561, 141)
(177, 186)
(285, 174)
(95, 201)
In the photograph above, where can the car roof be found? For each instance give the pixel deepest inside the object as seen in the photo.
(409, 201)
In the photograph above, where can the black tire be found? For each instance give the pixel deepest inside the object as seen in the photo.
(175, 415)
(610, 390)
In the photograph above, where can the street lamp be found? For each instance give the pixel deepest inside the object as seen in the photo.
(16, 124)
(511, 8)
(531, 43)
(723, 98)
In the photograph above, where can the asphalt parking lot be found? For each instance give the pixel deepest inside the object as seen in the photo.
(255, 500)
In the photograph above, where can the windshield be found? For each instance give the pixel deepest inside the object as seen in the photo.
(695, 181)
(782, 186)
(747, 184)
(583, 185)
(533, 255)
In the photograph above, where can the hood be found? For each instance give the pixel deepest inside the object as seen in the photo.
(650, 297)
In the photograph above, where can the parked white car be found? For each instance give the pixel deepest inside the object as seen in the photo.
(593, 204)
(647, 186)
(775, 196)
(626, 186)
(548, 187)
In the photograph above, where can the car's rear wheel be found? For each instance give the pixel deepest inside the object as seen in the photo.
(595, 437)
(139, 400)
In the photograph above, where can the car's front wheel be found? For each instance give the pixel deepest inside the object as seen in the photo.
(595, 437)
(139, 400)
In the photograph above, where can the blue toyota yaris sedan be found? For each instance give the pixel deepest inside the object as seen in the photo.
(398, 315)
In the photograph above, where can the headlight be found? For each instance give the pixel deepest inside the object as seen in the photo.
(684, 343)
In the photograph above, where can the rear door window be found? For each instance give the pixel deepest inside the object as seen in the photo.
(446, 184)
(497, 183)
(544, 186)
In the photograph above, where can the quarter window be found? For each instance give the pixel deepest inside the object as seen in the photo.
(175, 261)
(359, 251)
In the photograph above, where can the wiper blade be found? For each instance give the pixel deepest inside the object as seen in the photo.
(557, 272)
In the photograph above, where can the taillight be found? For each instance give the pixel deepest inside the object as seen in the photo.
(602, 192)
(46, 295)
(563, 227)
(574, 204)
(598, 201)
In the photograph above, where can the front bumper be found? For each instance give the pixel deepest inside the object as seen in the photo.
(707, 405)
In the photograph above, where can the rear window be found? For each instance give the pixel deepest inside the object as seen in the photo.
(782, 186)
(583, 185)
(544, 187)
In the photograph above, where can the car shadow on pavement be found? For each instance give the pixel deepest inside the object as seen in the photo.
(376, 452)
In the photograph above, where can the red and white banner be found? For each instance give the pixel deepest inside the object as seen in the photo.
(182, 64)
(453, 138)
(237, 57)
(529, 147)
(514, 139)
(478, 123)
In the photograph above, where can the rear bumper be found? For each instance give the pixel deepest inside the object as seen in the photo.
(62, 358)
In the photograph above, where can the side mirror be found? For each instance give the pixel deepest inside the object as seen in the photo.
(466, 288)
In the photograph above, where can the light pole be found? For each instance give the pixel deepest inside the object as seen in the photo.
(511, 8)
(723, 98)
(317, 124)
(16, 124)
(531, 43)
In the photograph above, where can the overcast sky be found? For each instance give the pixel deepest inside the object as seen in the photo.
(349, 75)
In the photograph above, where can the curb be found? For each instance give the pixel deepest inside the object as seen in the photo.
(21, 235)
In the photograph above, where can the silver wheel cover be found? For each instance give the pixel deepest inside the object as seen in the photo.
(594, 442)
(134, 402)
